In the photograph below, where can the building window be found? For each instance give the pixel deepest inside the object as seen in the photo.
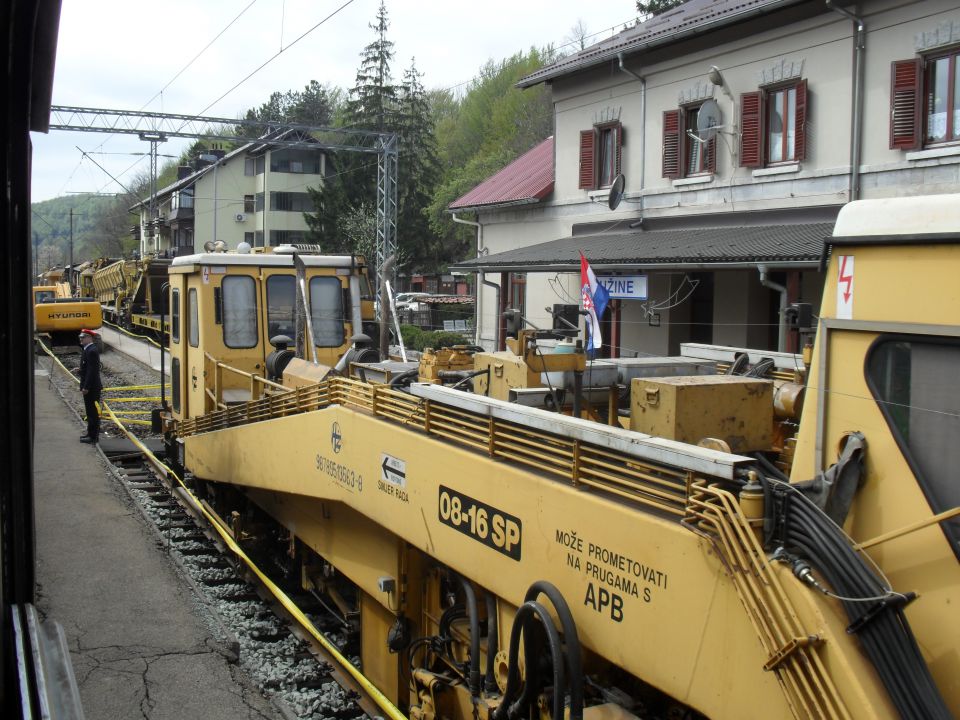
(600, 155)
(239, 312)
(295, 160)
(258, 202)
(249, 166)
(773, 124)
(261, 164)
(287, 237)
(291, 202)
(258, 238)
(684, 155)
(326, 311)
(925, 101)
(248, 238)
(248, 203)
(517, 297)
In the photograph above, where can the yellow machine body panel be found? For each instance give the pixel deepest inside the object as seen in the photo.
(885, 363)
(647, 594)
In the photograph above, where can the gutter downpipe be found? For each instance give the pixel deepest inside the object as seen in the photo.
(857, 123)
(643, 126)
(480, 253)
(768, 283)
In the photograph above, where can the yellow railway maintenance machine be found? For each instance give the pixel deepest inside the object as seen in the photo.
(226, 308)
(506, 561)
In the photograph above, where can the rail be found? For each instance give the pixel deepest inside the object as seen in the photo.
(655, 486)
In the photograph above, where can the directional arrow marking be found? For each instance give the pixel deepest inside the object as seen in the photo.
(394, 470)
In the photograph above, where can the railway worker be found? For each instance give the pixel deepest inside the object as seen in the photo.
(90, 385)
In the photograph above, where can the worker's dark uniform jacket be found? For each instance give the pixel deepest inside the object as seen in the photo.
(90, 381)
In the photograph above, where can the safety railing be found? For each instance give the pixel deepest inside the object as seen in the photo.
(214, 385)
(649, 484)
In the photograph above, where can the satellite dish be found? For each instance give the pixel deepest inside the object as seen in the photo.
(616, 191)
(208, 246)
(708, 120)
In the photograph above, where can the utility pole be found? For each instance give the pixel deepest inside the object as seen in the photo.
(70, 270)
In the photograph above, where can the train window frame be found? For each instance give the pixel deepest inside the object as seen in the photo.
(293, 311)
(175, 315)
(194, 309)
(234, 328)
(319, 338)
(175, 383)
(933, 488)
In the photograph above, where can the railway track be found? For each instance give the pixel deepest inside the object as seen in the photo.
(293, 649)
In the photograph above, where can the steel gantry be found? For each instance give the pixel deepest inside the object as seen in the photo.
(158, 127)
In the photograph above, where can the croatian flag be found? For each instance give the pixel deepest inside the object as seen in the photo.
(593, 299)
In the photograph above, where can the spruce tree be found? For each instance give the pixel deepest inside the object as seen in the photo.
(371, 105)
(419, 170)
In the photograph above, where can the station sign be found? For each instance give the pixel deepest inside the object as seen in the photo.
(625, 287)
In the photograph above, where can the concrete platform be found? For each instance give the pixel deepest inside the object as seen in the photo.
(145, 352)
(140, 645)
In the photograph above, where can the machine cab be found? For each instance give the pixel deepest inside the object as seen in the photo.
(226, 307)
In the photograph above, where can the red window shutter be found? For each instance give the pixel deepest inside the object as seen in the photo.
(905, 104)
(587, 150)
(671, 144)
(751, 129)
(800, 117)
(619, 166)
(710, 158)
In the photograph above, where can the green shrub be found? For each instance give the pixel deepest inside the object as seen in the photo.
(416, 339)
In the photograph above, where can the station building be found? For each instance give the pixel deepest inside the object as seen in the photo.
(740, 128)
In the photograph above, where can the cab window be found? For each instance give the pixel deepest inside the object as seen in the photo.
(326, 311)
(194, 318)
(175, 315)
(281, 300)
(914, 383)
(239, 312)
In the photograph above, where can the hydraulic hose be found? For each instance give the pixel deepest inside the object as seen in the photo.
(571, 639)
(493, 634)
(473, 679)
(876, 614)
(525, 624)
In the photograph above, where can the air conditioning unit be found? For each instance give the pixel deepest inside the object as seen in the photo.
(240, 217)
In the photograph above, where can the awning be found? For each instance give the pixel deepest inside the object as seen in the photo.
(782, 246)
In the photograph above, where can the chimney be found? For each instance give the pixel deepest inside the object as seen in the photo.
(184, 171)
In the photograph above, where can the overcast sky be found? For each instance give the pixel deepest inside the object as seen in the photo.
(120, 54)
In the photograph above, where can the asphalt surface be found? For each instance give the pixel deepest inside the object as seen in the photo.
(140, 643)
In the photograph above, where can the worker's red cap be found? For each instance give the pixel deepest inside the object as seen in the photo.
(91, 333)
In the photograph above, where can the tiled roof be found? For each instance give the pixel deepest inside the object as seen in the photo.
(527, 179)
(695, 16)
(783, 244)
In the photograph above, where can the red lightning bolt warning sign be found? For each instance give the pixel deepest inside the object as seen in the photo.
(845, 287)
